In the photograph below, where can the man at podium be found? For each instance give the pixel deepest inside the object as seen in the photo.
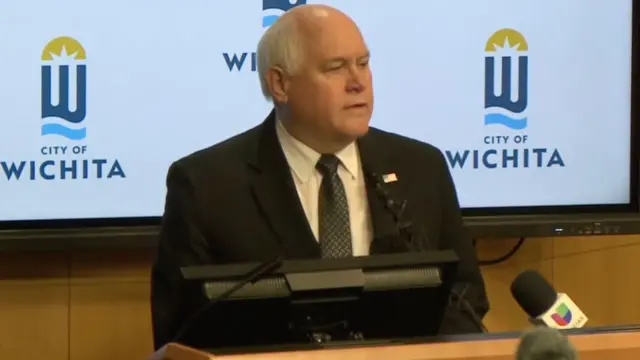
(313, 180)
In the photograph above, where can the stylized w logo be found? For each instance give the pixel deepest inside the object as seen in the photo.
(504, 99)
(62, 109)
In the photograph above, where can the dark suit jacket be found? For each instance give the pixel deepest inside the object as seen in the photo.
(236, 202)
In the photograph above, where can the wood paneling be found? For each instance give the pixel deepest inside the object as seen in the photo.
(536, 254)
(109, 315)
(34, 306)
(109, 267)
(110, 321)
(95, 305)
(602, 277)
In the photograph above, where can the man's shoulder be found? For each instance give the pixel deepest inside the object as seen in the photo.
(403, 146)
(233, 150)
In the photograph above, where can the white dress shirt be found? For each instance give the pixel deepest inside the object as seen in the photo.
(302, 162)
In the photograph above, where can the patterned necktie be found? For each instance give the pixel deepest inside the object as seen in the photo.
(333, 209)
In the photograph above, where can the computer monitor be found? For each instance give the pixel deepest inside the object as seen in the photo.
(380, 297)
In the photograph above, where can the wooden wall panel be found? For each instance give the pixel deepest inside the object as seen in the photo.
(110, 266)
(110, 316)
(535, 254)
(34, 306)
(110, 321)
(602, 277)
(95, 305)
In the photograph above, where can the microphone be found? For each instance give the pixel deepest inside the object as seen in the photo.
(545, 344)
(404, 226)
(459, 300)
(255, 274)
(543, 304)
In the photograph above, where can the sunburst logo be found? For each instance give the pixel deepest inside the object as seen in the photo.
(64, 88)
(506, 79)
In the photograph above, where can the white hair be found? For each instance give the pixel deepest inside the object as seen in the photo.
(280, 46)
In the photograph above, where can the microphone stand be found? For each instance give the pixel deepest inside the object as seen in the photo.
(397, 209)
(414, 243)
(462, 303)
(318, 328)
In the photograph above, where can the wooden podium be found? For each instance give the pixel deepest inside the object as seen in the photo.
(612, 345)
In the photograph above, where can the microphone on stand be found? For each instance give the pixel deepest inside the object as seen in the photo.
(406, 239)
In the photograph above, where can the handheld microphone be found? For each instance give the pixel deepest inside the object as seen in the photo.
(397, 208)
(545, 344)
(255, 274)
(543, 304)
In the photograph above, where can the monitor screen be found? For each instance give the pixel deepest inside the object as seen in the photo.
(529, 101)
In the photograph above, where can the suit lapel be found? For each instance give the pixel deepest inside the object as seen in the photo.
(276, 194)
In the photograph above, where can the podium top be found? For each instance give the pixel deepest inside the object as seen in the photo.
(419, 341)
(596, 344)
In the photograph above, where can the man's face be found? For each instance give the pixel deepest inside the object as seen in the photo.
(331, 96)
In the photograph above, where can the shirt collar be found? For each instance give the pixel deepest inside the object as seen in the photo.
(302, 159)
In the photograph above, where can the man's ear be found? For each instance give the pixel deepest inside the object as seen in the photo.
(278, 83)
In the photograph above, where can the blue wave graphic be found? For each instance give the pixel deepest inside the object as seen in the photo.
(57, 129)
(500, 119)
(268, 20)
